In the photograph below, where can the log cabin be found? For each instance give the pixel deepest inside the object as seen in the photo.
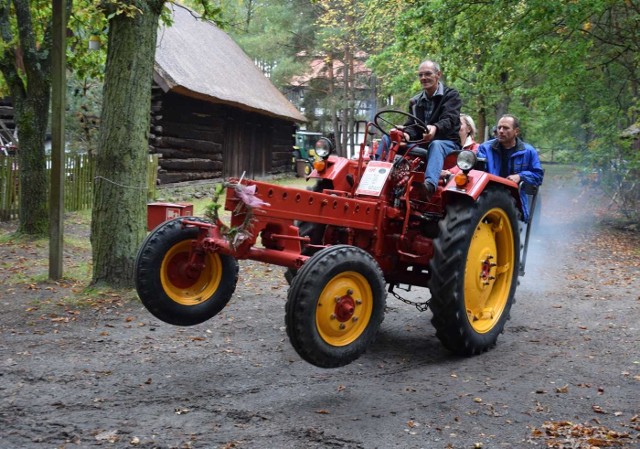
(214, 114)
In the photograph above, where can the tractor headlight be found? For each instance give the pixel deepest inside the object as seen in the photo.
(324, 147)
(466, 160)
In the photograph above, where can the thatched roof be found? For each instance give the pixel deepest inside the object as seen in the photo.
(197, 59)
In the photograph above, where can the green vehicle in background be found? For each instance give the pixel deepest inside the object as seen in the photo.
(304, 152)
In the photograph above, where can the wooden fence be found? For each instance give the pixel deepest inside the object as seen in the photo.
(78, 183)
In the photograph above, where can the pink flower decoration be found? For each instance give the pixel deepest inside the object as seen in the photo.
(248, 195)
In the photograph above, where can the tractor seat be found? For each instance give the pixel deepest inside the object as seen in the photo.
(422, 153)
(449, 161)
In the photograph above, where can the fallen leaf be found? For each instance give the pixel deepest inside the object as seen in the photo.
(108, 435)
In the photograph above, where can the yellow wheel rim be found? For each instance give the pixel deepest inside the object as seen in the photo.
(344, 308)
(190, 284)
(489, 270)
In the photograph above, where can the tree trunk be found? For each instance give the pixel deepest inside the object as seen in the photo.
(32, 113)
(119, 207)
(25, 65)
(332, 100)
(344, 114)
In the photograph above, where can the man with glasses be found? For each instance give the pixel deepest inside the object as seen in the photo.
(438, 106)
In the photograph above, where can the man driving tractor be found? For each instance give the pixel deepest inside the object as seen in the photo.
(438, 106)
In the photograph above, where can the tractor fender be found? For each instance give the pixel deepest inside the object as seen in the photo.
(479, 181)
(336, 170)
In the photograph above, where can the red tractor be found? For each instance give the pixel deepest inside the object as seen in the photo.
(362, 231)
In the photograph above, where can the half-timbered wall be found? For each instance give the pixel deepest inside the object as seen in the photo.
(200, 140)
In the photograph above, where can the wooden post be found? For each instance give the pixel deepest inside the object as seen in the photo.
(58, 87)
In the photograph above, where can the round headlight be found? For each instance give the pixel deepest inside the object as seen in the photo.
(467, 160)
(323, 147)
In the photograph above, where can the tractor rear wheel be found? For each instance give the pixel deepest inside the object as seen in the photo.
(335, 306)
(474, 271)
(172, 287)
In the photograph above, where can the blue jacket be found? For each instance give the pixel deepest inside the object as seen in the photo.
(524, 161)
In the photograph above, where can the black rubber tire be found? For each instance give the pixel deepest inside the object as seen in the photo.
(312, 288)
(169, 306)
(463, 222)
(308, 168)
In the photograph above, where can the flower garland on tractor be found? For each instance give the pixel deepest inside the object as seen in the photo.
(235, 235)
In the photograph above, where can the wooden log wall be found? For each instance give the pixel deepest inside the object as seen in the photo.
(197, 140)
(7, 123)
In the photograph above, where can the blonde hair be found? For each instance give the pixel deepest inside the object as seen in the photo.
(470, 123)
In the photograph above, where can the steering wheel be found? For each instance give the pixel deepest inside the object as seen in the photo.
(385, 120)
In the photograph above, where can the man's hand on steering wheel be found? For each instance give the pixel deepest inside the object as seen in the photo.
(430, 134)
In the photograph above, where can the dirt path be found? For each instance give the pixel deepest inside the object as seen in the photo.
(565, 374)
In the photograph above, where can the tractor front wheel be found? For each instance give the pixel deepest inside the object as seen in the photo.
(178, 283)
(335, 306)
(474, 271)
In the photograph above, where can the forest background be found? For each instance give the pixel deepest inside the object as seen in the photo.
(569, 70)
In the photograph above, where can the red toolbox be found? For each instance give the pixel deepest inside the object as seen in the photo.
(160, 212)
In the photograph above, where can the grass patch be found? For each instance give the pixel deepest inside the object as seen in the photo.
(92, 295)
(77, 242)
(80, 272)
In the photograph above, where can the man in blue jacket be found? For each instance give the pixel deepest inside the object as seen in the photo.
(510, 157)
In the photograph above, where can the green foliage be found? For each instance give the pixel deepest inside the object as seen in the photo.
(212, 210)
(273, 33)
(86, 21)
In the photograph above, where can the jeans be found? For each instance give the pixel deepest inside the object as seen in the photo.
(438, 150)
(383, 146)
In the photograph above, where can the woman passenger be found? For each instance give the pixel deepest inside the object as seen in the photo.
(467, 133)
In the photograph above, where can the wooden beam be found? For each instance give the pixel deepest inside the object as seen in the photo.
(58, 83)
